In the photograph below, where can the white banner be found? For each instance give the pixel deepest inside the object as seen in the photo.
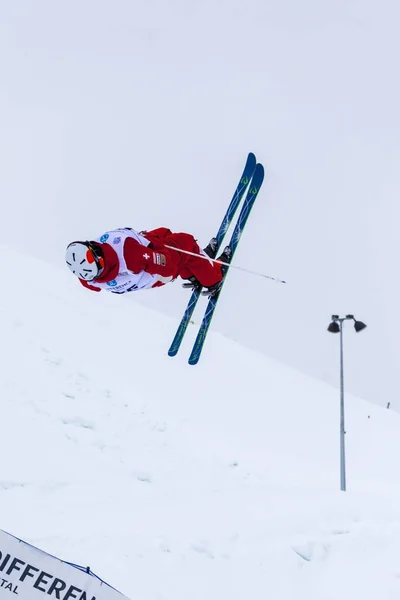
(30, 573)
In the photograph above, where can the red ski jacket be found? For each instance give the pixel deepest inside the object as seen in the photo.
(174, 263)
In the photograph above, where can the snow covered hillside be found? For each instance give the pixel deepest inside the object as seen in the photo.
(219, 481)
(141, 114)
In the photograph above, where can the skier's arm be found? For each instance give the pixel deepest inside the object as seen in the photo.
(89, 287)
(156, 261)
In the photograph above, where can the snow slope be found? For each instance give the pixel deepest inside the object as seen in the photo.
(173, 482)
(141, 113)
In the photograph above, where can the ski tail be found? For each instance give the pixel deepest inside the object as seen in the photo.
(248, 204)
(225, 223)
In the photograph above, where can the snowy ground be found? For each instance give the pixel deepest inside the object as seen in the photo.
(219, 481)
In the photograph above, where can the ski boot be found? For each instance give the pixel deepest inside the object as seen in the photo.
(192, 284)
(211, 248)
(225, 257)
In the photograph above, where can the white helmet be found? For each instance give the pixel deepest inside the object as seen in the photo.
(84, 260)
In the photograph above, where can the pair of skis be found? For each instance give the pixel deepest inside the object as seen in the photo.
(252, 178)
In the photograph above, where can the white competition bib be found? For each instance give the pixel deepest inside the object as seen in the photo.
(125, 281)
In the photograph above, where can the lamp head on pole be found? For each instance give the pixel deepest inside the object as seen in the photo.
(334, 325)
(359, 325)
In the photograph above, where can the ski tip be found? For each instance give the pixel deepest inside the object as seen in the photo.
(195, 355)
(251, 163)
(259, 174)
(172, 352)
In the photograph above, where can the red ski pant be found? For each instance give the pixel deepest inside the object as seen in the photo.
(205, 271)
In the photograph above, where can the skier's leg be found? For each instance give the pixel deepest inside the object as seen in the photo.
(205, 271)
(225, 257)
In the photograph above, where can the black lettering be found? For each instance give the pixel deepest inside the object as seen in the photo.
(132, 288)
(14, 565)
(9, 587)
(15, 590)
(70, 593)
(84, 597)
(57, 586)
(3, 581)
(26, 572)
(41, 579)
(5, 561)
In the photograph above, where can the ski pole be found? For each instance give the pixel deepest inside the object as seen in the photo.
(220, 262)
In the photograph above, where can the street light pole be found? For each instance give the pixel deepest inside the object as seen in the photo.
(342, 430)
(336, 326)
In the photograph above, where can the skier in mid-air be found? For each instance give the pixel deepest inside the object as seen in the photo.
(124, 260)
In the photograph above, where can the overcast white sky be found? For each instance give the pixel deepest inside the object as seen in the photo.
(142, 113)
